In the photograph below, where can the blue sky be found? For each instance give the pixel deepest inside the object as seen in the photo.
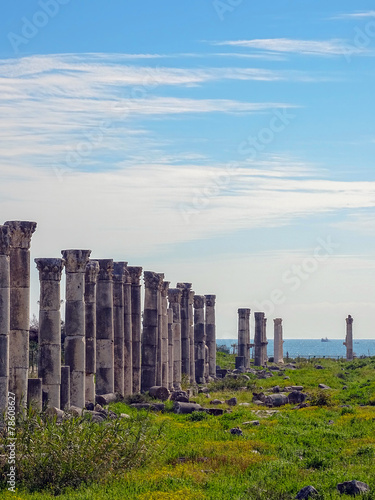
(228, 143)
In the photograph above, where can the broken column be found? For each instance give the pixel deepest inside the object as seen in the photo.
(243, 358)
(49, 336)
(136, 311)
(170, 349)
(164, 334)
(150, 329)
(258, 338)
(191, 336)
(91, 276)
(211, 334)
(264, 342)
(75, 346)
(174, 297)
(185, 328)
(118, 325)
(278, 341)
(4, 317)
(128, 335)
(199, 338)
(105, 383)
(349, 338)
(20, 233)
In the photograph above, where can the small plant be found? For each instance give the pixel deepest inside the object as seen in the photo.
(197, 416)
(321, 398)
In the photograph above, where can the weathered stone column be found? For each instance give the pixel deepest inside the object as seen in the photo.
(150, 329)
(243, 358)
(278, 341)
(75, 347)
(191, 336)
(119, 271)
(35, 394)
(264, 342)
(20, 233)
(91, 276)
(211, 334)
(170, 348)
(65, 388)
(49, 337)
(4, 317)
(199, 338)
(185, 328)
(105, 383)
(128, 335)
(174, 297)
(349, 338)
(136, 311)
(160, 333)
(164, 334)
(258, 338)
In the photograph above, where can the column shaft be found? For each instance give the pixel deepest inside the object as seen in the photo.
(349, 338)
(91, 276)
(185, 328)
(4, 317)
(128, 335)
(211, 334)
(136, 312)
(164, 334)
(119, 271)
(174, 297)
(258, 338)
(243, 358)
(199, 339)
(170, 349)
(278, 341)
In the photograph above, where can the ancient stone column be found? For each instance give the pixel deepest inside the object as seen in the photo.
(191, 336)
(199, 338)
(119, 271)
(35, 394)
(349, 338)
(174, 297)
(258, 338)
(75, 347)
(4, 317)
(264, 342)
(211, 334)
(91, 276)
(164, 334)
(150, 329)
(105, 383)
(128, 335)
(243, 358)
(160, 333)
(185, 328)
(170, 348)
(65, 388)
(49, 336)
(278, 341)
(136, 311)
(20, 233)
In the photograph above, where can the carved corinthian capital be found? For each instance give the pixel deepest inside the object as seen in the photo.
(20, 233)
(49, 269)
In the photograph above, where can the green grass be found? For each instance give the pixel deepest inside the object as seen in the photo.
(197, 458)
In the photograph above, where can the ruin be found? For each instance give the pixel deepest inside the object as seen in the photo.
(278, 341)
(243, 358)
(349, 338)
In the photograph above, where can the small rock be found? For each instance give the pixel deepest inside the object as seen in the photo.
(94, 416)
(344, 387)
(297, 387)
(90, 406)
(236, 431)
(259, 396)
(52, 411)
(203, 390)
(231, 401)
(276, 389)
(319, 367)
(296, 397)
(124, 415)
(353, 487)
(251, 422)
(330, 422)
(244, 404)
(306, 492)
(323, 386)
(286, 377)
(216, 402)
(258, 402)
(214, 411)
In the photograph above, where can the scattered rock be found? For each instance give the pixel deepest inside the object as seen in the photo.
(52, 411)
(216, 402)
(215, 411)
(319, 367)
(149, 406)
(124, 415)
(244, 404)
(185, 408)
(274, 368)
(76, 411)
(180, 396)
(105, 399)
(236, 431)
(353, 487)
(286, 377)
(159, 392)
(251, 422)
(276, 389)
(259, 396)
(306, 492)
(95, 416)
(344, 387)
(258, 402)
(90, 406)
(330, 422)
(203, 390)
(231, 401)
(297, 387)
(323, 386)
(276, 400)
(296, 397)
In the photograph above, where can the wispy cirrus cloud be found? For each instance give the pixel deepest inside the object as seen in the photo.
(355, 15)
(333, 47)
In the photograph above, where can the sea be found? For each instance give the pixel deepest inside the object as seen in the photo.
(310, 348)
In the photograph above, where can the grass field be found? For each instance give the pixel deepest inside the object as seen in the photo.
(196, 457)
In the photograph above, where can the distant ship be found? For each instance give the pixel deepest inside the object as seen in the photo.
(325, 340)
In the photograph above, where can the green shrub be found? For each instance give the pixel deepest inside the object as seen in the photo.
(321, 398)
(197, 416)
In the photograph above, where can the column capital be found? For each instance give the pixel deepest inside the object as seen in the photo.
(244, 313)
(49, 269)
(199, 301)
(135, 274)
(164, 288)
(20, 233)
(153, 280)
(174, 295)
(105, 269)
(210, 300)
(4, 240)
(120, 272)
(349, 320)
(184, 286)
(92, 271)
(161, 281)
(259, 315)
(191, 296)
(277, 321)
(75, 260)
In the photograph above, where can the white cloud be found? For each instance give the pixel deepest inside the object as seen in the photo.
(333, 47)
(356, 15)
